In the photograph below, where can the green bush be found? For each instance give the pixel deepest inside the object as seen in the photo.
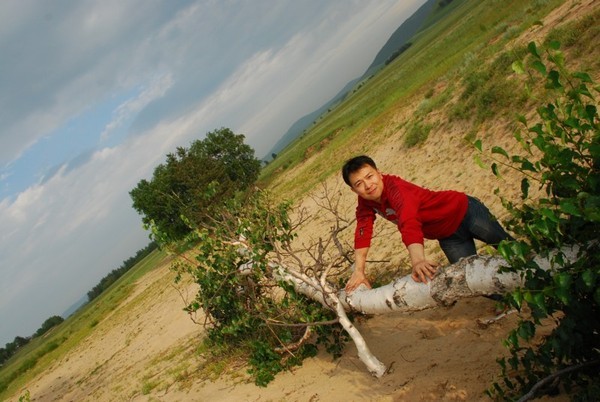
(416, 133)
(561, 154)
(248, 310)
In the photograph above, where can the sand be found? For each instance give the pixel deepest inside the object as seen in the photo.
(145, 351)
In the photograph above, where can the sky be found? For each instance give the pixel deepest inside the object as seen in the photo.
(95, 93)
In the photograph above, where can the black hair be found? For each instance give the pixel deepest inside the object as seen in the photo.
(354, 165)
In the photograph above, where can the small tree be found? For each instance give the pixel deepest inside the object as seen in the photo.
(194, 182)
(49, 324)
(562, 155)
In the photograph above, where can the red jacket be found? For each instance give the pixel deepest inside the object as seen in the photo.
(418, 212)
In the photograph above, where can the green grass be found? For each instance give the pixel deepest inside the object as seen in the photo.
(148, 386)
(42, 352)
(581, 37)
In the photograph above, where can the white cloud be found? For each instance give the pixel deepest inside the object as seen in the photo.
(71, 230)
(66, 57)
(131, 107)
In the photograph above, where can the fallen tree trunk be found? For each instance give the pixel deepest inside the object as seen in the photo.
(471, 276)
(476, 275)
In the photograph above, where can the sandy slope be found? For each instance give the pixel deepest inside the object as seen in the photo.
(435, 354)
(145, 350)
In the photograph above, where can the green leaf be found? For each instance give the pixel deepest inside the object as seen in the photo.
(495, 169)
(524, 144)
(540, 301)
(500, 150)
(526, 330)
(533, 49)
(564, 295)
(569, 208)
(572, 122)
(517, 67)
(585, 77)
(589, 278)
(524, 188)
(479, 162)
(477, 144)
(553, 80)
(517, 297)
(582, 195)
(563, 280)
(558, 58)
(591, 112)
(540, 67)
(526, 165)
(583, 90)
(548, 213)
(554, 45)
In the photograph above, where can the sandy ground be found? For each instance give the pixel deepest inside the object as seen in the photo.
(140, 353)
(145, 351)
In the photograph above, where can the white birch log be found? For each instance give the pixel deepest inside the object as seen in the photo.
(471, 276)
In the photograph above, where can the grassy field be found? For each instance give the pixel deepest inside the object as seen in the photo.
(457, 70)
(469, 50)
(39, 354)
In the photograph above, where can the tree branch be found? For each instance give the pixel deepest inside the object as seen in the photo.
(543, 382)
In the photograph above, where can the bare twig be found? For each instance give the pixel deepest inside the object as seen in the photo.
(303, 324)
(484, 322)
(292, 347)
(543, 382)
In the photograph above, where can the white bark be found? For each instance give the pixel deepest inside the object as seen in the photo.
(375, 367)
(471, 276)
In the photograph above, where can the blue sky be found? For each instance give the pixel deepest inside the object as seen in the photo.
(96, 93)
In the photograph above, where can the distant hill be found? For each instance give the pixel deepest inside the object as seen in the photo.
(79, 303)
(400, 37)
(397, 40)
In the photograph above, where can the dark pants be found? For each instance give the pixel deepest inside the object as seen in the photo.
(479, 224)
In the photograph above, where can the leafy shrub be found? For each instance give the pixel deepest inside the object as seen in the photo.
(511, 32)
(459, 111)
(473, 82)
(247, 309)
(48, 324)
(25, 397)
(416, 134)
(562, 156)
